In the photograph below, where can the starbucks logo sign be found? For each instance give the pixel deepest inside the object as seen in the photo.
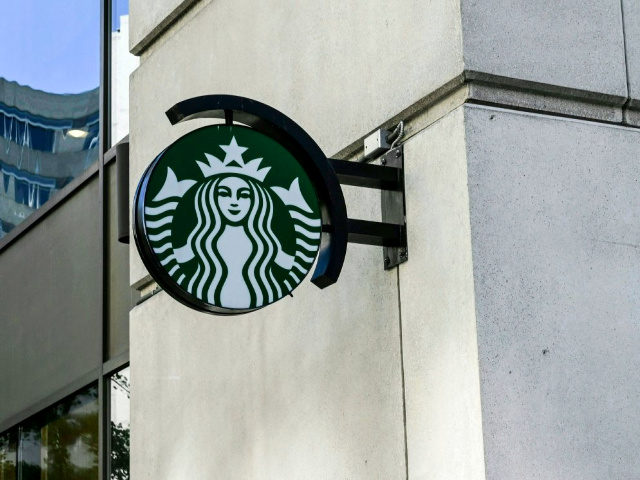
(231, 217)
(227, 219)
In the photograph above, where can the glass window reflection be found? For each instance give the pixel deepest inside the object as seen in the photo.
(8, 455)
(120, 425)
(122, 64)
(49, 100)
(61, 443)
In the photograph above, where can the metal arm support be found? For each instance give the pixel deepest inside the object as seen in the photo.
(367, 175)
(391, 233)
(376, 233)
(367, 232)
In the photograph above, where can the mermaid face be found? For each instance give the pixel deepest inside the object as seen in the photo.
(233, 195)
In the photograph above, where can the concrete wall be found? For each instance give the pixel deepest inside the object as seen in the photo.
(631, 15)
(631, 10)
(576, 44)
(444, 432)
(555, 227)
(310, 387)
(149, 23)
(328, 79)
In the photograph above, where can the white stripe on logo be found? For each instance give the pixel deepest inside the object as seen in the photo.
(312, 222)
(159, 223)
(307, 233)
(302, 256)
(160, 236)
(299, 267)
(167, 260)
(161, 208)
(193, 279)
(294, 276)
(305, 245)
(163, 248)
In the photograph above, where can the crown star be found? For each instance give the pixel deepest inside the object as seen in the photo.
(233, 163)
(233, 152)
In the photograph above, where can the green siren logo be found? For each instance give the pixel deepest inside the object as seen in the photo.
(231, 218)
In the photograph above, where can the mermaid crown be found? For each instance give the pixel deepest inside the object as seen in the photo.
(233, 163)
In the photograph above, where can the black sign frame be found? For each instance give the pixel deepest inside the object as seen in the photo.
(290, 135)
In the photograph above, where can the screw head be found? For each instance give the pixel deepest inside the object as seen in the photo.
(397, 153)
(383, 161)
(387, 261)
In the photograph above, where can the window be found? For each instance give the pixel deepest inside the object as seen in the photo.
(119, 426)
(122, 64)
(8, 455)
(59, 443)
(49, 100)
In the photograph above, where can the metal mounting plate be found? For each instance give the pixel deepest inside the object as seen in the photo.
(393, 209)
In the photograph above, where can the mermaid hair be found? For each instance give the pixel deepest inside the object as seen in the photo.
(211, 270)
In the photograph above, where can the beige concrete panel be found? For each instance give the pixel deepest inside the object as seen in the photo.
(308, 388)
(317, 61)
(443, 411)
(149, 19)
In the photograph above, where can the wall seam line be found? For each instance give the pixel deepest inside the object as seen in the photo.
(626, 104)
(404, 397)
(467, 152)
(162, 27)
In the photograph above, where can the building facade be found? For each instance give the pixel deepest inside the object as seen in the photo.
(63, 274)
(505, 347)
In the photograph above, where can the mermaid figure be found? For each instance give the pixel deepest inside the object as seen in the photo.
(231, 255)
(235, 243)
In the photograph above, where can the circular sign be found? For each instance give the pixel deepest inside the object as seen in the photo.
(227, 220)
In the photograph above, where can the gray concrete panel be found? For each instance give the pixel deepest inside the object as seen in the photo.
(631, 11)
(555, 228)
(308, 388)
(444, 426)
(50, 325)
(542, 101)
(576, 44)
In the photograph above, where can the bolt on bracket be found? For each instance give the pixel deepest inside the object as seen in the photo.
(393, 211)
(391, 232)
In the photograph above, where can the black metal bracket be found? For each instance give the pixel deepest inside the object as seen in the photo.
(326, 175)
(391, 232)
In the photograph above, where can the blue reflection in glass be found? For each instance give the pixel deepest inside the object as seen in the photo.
(49, 100)
(118, 9)
(51, 46)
